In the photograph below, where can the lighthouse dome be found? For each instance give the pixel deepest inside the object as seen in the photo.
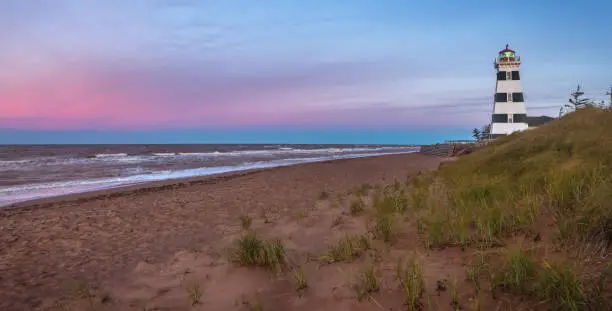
(507, 52)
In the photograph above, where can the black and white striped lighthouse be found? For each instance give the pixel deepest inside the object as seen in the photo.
(509, 114)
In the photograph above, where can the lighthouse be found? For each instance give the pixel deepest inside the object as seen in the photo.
(509, 114)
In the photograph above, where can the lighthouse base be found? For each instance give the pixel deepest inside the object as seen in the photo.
(499, 129)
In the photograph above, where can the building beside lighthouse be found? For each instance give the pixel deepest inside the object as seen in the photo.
(509, 114)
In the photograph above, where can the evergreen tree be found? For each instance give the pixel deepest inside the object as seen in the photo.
(576, 99)
(485, 131)
(476, 134)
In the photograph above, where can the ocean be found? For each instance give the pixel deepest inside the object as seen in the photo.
(38, 171)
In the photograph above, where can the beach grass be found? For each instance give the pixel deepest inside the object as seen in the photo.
(251, 250)
(301, 283)
(410, 276)
(368, 282)
(348, 248)
(554, 181)
(195, 294)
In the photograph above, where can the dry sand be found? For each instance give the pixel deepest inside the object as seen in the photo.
(147, 247)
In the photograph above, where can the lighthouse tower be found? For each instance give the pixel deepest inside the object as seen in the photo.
(509, 114)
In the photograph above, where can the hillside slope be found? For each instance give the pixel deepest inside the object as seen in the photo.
(545, 197)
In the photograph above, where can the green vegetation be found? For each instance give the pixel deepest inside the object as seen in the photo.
(558, 170)
(348, 248)
(367, 283)
(518, 272)
(195, 294)
(556, 178)
(386, 227)
(561, 289)
(454, 299)
(410, 277)
(300, 279)
(391, 199)
(250, 250)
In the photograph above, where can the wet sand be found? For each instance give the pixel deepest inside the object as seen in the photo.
(142, 246)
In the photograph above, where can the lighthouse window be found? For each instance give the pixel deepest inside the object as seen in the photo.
(501, 75)
(515, 75)
(520, 118)
(517, 97)
(501, 97)
(500, 118)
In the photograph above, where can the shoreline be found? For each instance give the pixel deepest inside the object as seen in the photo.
(132, 188)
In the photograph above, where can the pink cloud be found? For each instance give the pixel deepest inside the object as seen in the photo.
(132, 96)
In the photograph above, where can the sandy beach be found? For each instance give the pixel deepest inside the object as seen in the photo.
(141, 246)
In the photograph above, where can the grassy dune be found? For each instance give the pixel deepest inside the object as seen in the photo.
(535, 206)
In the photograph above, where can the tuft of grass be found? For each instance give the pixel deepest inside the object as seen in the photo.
(195, 294)
(357, 206)
(301, 214)
(410, 277)
(454, 298)
(245, 221)
(518, 273)
(324, 195)
(348, 248)
(560, 288)
(389, 200)
(301, 283)
(386, 227)
(476, 271)
(367, 283)
(250, 250)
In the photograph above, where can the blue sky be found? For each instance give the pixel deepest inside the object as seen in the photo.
(284, 71)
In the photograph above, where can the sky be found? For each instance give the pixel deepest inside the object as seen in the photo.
(316, 71)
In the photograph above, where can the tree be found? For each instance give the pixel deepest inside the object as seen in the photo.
(609, 93)
(476, 134)
(576, 99)
(485, 131)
